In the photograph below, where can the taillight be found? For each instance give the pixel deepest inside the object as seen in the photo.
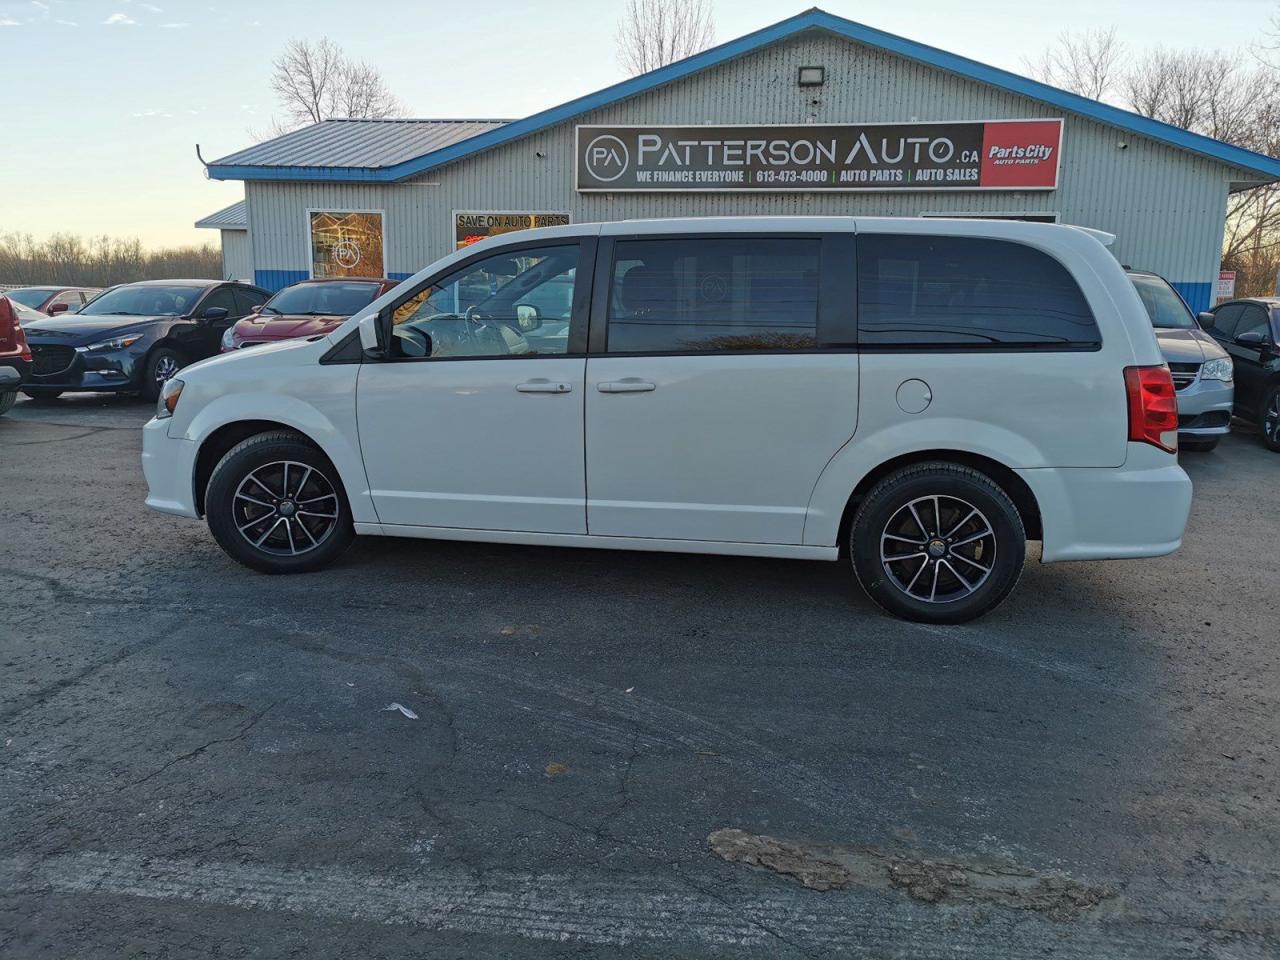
(20, 336)
(1153, 406)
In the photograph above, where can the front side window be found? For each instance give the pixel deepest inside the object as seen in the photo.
(1225, 319)
(222, 297)
(708, 295)
(511, 304)
(1255, 320)
(954, 292)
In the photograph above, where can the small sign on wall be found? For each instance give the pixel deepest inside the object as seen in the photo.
(472, 226)
(1226, 289)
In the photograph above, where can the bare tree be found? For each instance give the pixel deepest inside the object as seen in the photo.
(1085, 63)
(653, 33)
(316, 81)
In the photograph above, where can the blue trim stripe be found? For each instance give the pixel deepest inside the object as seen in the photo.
(399, 276)
(1199, 296)
(274, 280)
(814, 19)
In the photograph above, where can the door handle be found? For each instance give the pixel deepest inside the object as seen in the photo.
(544, 386)
(629, 385)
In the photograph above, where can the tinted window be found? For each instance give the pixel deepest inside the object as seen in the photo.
(722, 294)
(1225, 319)
(247, 298)
(509, 304)
(222, 297)
(31, 297)
(967, 292)
(1254, 319)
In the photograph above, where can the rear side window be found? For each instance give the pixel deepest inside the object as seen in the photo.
(954, 292)
(1225, 319)
(721, 294)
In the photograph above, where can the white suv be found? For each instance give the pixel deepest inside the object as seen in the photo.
(926, 395)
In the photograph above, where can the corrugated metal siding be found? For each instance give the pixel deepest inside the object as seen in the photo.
(237, 255)
(1165, 206)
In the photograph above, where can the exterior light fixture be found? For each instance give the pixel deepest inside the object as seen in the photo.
(812, 76)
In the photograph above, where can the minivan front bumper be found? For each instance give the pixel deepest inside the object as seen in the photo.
(168, 464)
(1090, 513)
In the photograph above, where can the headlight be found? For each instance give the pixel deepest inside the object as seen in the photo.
(168, 401)
(229, 339)
(1219, 369)
(119, 343)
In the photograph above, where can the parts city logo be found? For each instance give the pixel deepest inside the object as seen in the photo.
(1021, 153)
(607, 158)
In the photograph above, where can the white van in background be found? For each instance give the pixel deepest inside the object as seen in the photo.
(922, 396)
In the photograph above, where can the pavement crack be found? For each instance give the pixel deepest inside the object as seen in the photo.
(190, 754)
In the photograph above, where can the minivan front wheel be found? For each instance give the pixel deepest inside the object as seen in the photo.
(275, 504)
(937, 543)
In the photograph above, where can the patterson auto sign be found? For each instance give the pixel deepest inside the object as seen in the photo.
(979, 155)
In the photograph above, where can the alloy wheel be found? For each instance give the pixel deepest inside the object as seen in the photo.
(285, 508)
(938, 549)
(165, 369)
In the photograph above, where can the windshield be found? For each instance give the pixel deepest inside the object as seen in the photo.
(143, 301)
(333, 299)
(1165, 308)
(30, 297)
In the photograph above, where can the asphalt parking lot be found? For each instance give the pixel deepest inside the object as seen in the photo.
(197, 761)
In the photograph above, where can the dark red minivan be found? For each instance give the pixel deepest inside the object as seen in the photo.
(307, 309)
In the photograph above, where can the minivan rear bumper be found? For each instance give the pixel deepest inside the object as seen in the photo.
(1091, 513)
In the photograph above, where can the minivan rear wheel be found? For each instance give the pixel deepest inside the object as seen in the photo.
(937, 543)
(275, 504)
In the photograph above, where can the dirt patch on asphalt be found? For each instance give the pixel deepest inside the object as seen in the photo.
(923, 878)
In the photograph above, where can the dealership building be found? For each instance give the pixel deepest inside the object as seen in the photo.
(813, 115)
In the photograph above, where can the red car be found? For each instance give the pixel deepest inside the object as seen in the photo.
(307, 309)
(53, 300)
(15, 355)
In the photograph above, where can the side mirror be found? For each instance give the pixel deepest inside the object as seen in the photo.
(528, 317)
(58, 308)
(1205, 320)
(214, 314)
(1251, 338)
(368, 327)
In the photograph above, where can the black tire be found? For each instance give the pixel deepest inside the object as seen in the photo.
(1199, 446)
(1269, 419)
(228, 510)
(888, 511)
(7, 400)
(42, 397)
(161, 366)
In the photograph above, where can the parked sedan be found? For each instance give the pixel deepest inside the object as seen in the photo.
(134, 337)
(307, 309)
(1249, 330)
(1202, 371)
(53, 300)
(15, 354)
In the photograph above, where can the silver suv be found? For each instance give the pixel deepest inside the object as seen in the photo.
(1202, 371)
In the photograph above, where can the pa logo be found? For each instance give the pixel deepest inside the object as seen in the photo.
(607, 158)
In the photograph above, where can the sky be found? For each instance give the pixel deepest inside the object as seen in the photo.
(105, 100)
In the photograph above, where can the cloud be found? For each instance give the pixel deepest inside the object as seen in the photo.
(119, 19)
(174, 26)
(151, 113)
(6, 22)
(40, 5)
(67, 23)
(151, 8)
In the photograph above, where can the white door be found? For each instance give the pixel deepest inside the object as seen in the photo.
(713, 414)
(475, 421)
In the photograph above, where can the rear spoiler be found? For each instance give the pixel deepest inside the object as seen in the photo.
(1104, 238)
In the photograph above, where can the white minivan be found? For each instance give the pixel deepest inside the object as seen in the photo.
(921, 396)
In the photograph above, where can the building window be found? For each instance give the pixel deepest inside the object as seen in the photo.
(473, 226)
(346, 244)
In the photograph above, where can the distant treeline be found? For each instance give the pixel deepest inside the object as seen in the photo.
(68, 260)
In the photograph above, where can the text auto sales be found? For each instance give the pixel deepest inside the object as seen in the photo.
(708, 155)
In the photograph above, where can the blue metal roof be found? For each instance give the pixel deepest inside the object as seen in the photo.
(228, 218)
(1267, 168)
